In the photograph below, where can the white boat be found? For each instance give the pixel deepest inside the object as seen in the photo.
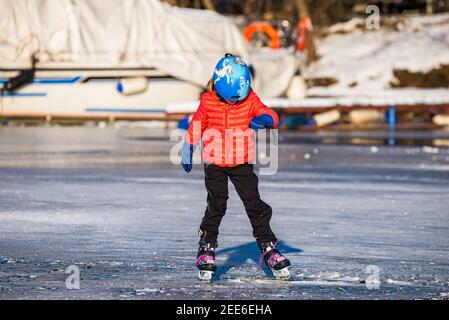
(93, 94)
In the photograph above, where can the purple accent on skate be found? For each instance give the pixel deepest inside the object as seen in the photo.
(204, 258)
(262, 256)
(274, 259)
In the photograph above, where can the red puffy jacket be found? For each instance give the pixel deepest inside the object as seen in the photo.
(224, 129)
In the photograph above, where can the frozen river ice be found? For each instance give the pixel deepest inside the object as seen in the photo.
(109, 202)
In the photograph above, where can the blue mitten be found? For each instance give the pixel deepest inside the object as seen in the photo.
(184, 123)
(187, 155)
(261, 122)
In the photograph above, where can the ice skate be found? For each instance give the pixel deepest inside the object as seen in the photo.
(277, 263)
(205, 262)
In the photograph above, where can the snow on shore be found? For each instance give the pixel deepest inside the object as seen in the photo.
(366, 60)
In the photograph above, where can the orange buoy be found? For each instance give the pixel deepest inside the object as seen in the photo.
(266, 28)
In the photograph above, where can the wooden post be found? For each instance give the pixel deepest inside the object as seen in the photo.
(392, 118)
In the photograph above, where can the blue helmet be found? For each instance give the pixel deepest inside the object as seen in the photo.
(232, 78)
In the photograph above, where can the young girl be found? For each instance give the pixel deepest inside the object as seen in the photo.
(226, 117)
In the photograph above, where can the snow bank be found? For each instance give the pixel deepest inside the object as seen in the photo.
(366, 60)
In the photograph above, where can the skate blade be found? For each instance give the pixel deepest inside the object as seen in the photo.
(283, 274)
(205, 276)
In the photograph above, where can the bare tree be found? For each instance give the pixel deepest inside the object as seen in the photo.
(208, 4)
(429, 7)
(248, 8)
(303, 9)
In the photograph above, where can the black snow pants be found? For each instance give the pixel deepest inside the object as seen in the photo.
(246, 183)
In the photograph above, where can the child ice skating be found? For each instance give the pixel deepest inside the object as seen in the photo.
(228, 114)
